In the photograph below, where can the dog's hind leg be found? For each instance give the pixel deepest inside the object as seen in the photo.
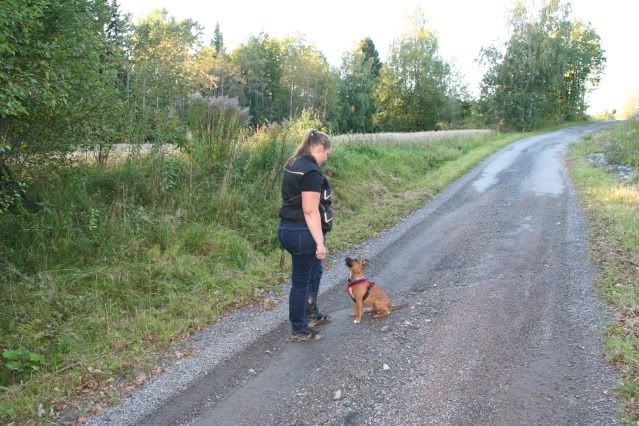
(381, 310)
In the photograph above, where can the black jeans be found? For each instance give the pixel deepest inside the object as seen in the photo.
(313, 288)
(307, 270)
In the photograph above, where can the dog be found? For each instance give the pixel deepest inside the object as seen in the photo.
(364, 292)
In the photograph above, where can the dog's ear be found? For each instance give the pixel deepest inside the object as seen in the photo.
(349, 262)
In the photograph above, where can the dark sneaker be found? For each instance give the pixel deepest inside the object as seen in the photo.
(308, 335)
(319, 319)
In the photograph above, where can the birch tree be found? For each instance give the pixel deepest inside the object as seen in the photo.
(544, 71)
(412, 87)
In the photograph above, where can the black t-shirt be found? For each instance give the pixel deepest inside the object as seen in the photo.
(312, 181)
(304, 175)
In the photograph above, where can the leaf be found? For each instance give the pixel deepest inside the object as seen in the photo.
(35, 357)
(13, 366)
(8, 354)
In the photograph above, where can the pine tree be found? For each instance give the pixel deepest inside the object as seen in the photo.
(218, 39)
(367, 47)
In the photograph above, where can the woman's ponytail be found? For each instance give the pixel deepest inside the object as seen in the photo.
(311, 138)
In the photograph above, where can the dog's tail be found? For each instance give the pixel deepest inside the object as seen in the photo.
(394, 308)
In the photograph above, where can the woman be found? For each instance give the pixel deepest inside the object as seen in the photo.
(306, 216)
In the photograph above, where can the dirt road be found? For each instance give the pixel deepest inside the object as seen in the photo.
(504, 325)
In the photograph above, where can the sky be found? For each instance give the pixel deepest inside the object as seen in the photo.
(463, 28)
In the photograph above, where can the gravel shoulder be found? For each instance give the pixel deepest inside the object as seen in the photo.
(504, 325)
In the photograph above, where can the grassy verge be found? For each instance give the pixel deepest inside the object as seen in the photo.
(612, 205)
(119, 264)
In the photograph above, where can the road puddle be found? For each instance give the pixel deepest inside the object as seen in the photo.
(546, 178)
(503, 161)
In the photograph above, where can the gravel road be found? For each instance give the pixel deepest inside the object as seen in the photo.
(504, 326)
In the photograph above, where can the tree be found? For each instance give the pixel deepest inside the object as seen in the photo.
(548, 65)
(359, 75)
(368, 49)
(215, 74)
(24, 70)
(111, 124)
(310, 82)
(61, 79)
(412, 89)
(160, 79)
(458, 101)
(260, 63)
(285, 77)
(63, 62)
(218, 40)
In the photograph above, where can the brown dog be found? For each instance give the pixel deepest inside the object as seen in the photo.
(365, 292)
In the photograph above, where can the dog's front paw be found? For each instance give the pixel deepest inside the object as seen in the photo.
(356, 321)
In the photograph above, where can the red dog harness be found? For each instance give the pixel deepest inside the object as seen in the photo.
(360, 280)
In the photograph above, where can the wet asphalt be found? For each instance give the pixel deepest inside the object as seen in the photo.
(504, 326)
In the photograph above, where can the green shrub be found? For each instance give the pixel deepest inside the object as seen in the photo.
(22, 362)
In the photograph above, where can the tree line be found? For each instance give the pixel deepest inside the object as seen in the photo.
(77, 73)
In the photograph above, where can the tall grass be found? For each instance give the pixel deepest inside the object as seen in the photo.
(215, 123)
(106, 273)
(622, 144)
(612, 205)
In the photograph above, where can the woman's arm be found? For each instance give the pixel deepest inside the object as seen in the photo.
(310, 207)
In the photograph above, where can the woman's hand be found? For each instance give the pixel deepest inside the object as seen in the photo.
(321, 252)
(310, 207)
